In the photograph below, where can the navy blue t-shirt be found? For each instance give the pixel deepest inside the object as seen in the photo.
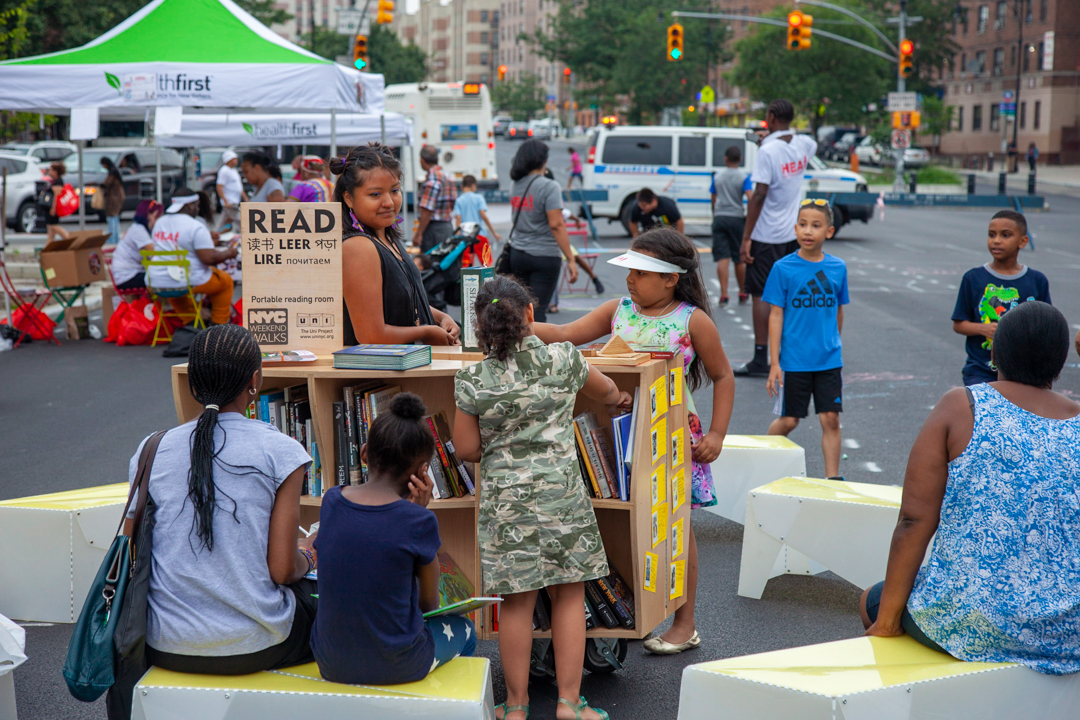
(369, 629)
(985, 296)
(811, 294)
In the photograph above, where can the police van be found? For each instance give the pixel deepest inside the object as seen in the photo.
(454, 117)
(679, 162)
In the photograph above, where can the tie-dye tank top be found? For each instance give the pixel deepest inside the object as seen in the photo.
(671, 330)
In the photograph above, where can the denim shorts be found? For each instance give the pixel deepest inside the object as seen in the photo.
(873, 600)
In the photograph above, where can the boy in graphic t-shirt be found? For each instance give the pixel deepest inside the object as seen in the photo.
(807, 291)
(989, 291)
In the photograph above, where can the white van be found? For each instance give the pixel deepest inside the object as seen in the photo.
(454, 117)
(679, 162)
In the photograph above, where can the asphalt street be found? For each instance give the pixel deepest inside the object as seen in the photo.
(71, 417)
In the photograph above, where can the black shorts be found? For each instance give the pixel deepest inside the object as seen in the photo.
(826, 386)
(873, 600)
(727, 232)
(765, 255)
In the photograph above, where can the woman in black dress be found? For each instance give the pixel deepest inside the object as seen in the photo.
(385, 301)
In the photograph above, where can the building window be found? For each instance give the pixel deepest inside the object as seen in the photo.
(483, 58)
(1002, 11)
(984, 19)
(483, 38)
(1023, 116)
(1037, 117)
(980, 62)
(999, 61)
(995, 117)
(963, 62)
(1028, 49)
(960, 119)
(976, 118)
(1012, 56)
(964, 21)
(1039, 56)
(1042, 11)
(483, 16)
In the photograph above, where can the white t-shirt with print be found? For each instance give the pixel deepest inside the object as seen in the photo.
(178, 231)
(229, 178)
(126, 259)
(780, 165)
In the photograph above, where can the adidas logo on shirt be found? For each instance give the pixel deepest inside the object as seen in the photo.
(818, 292)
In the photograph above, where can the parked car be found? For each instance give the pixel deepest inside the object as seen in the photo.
(874, 153)
(500, 123)
(828, 135)
(22, 173)
(138, 167)
(44, 151)
(518, 131)
(841, 149)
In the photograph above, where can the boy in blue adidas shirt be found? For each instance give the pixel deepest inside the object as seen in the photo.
(807, 291)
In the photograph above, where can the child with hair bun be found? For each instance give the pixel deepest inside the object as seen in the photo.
(537, 528)
(378, 564)
(668, 307)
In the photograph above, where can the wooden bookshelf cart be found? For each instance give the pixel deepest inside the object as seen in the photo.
(626, 527)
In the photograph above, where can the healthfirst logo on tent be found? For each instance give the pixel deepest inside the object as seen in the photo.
(143, 87)
(281, 130)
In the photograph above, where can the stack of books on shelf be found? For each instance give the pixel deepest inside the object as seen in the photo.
(446, 470)
(383, 357)
(609, 603)
(353, 415)
(604, 454)
(289, 410)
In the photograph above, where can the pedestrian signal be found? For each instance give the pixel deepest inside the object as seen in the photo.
(360, 52)
(502, 72)
(906, 120)
(799, 30)
(906, 63)
(675, 42)
(566, 75)
(386, 12)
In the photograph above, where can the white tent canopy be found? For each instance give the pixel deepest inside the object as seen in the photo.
(200, 130)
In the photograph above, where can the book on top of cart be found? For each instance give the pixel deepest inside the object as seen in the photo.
(382, 357)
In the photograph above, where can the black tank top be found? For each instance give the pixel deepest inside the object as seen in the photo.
(405, 302)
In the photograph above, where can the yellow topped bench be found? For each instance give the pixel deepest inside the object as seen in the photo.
(872, 678)
(798, 525)
(459, 690)
(53, 546)
(748, 461)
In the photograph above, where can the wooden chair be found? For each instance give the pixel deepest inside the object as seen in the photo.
(171, 259)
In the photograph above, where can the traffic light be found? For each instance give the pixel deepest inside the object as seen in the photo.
(675, 42)
(799, 30)
(359, 53)
(502, 72)
(906, 65)
(906, 120)
(386, 12)
(566, 75)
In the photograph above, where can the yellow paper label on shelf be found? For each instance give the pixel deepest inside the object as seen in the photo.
(677, 448)
(678, 579)
(49, 273)
(677, 538)
(652, 562)
(659, 524)
(675, 386)
(659, 485)
(658, 440)
(678, 490)
(658, 397)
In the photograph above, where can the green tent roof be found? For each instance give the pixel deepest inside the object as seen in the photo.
(201, 31)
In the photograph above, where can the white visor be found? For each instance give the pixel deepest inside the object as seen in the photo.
(640, 261)
(180, 201)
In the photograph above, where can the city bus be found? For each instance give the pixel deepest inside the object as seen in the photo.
(457, 119)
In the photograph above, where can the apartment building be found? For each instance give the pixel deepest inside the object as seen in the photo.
(460, 37)
(526, 17)
(308, 13)
(987, 66)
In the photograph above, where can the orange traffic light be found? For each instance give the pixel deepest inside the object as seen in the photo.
(385, 12)
(675, 42)
(502, 72)
(360, 52)
(799, 30)
(566, 73)
(906, 63)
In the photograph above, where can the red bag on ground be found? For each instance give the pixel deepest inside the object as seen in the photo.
(134, 323)
(33, 322)
(67, 202)
(238, 313)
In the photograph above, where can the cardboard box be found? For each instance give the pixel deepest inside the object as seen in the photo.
(77, 322)
(110, 301)
(79, 260)
(472, 279)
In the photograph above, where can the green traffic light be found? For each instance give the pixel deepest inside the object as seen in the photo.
(676, 53)
(360, 64)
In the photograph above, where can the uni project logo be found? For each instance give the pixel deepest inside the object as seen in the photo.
(270, 326)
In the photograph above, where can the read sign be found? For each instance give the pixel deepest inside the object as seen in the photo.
(291, 254)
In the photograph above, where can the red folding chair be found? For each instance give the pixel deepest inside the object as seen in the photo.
(31, 301)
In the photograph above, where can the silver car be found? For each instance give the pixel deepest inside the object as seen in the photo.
(22, 172)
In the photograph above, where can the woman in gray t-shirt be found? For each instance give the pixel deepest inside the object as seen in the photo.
(538, 242)
(256, 169)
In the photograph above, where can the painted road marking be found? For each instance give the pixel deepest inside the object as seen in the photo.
(872, 467)
(851, 443)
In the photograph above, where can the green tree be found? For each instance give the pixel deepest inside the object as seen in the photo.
(934, 46)
(327, 43)
(54, 25)
(618, 51)
(522, 98)
(13, 32)
(830, 82)
(936, 117)
(266, 11)
(398, 63)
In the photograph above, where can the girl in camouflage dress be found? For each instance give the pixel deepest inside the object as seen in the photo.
(537, 528)
(669, 308)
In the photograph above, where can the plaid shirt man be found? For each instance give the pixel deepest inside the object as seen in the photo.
(438, 194)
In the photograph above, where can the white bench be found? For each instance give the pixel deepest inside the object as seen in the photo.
(459, 690)
(806, 525)
(872, 679)
(748, 461)
(53, 546)
(12, 655)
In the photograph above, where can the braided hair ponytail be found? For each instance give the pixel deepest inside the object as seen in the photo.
(221, 363)
(500, 316)
(352, 171)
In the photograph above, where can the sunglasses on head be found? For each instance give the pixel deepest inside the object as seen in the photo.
(815, 201)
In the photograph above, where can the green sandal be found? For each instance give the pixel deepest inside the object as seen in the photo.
(513, 708)
(584, 704)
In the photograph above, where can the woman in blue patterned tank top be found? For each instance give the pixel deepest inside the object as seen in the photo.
(995, 473)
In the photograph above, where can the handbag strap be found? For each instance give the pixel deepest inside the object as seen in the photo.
(141, 485)
(510, 236)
